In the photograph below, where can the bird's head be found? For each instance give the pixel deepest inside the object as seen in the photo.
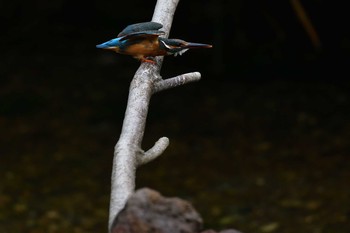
(177, 46)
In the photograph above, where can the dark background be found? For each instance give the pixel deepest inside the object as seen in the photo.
(260, 144)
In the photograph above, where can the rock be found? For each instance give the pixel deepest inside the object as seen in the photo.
(230, 231)
(223, 231)
(148, 212)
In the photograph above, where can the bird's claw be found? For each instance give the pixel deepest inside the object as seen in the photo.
(148, 61)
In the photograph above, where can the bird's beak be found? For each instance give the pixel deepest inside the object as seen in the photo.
(198, 45)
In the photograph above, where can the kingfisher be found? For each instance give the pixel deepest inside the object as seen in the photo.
(143, 41)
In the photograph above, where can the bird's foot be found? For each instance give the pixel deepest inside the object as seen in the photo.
(148, 60)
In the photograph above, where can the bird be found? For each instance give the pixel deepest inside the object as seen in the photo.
(143, 41)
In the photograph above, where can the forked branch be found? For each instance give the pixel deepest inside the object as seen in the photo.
(128, 154)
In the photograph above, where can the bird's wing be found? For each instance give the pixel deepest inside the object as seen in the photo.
(140, 27)
(142, 35)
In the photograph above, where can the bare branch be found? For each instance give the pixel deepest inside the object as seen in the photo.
(128, 154)
(176, 81)
(158, 149)
(127, 151)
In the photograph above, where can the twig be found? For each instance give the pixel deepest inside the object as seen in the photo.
(306, 22)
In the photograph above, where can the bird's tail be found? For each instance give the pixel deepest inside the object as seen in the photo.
(109, 44)
(102, 46)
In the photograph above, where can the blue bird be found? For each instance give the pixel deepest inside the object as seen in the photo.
(143, 41)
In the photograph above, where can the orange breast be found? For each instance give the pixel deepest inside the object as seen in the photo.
(145, 48)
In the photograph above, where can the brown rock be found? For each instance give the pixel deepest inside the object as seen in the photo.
(148, 212)
(223, 231)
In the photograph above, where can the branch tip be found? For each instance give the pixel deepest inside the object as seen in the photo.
(176, 81)
(158, 148)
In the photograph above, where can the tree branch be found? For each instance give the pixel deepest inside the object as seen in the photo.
(128, 154)
(176, 81)
(158, 149)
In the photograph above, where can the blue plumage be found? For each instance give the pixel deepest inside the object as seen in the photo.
(142, 41)
(110, 44)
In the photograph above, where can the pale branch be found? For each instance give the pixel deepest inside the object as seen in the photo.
(176, 81)
(128, 154)
(158, 148)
